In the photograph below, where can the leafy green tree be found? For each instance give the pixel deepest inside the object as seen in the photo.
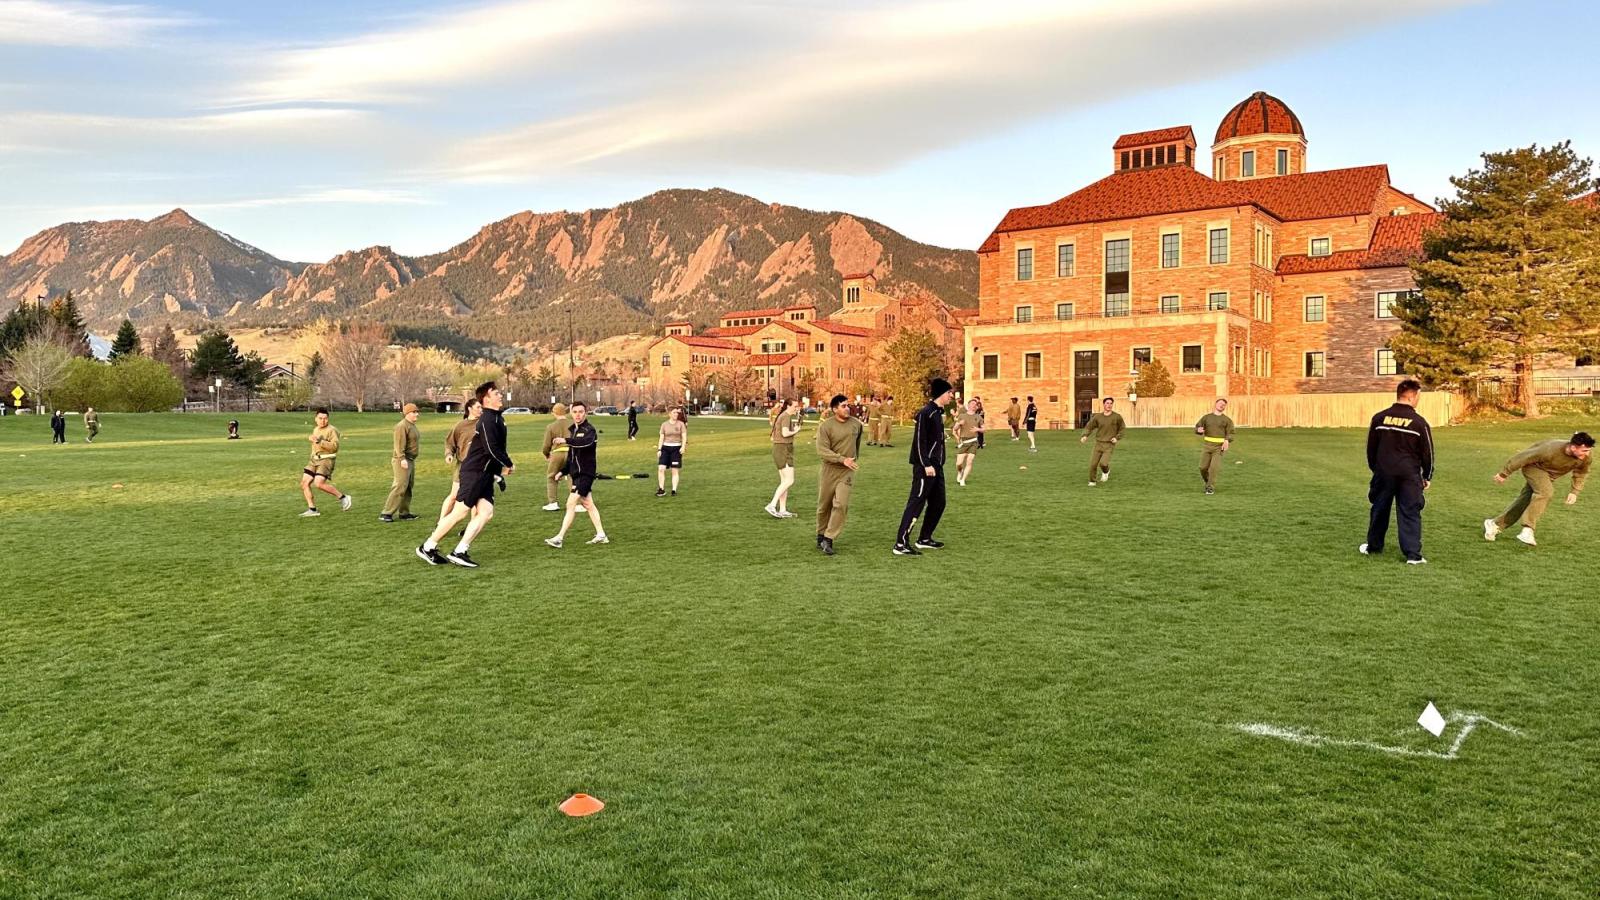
(142, 384)
(912, 359)
(1154, 381)
(544, 383)
(288, 394)
(86, 383)
(1511, 273)
(127, 341)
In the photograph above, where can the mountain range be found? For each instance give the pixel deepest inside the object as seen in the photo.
(675, 254)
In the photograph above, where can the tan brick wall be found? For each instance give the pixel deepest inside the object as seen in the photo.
(1266, 149)
(1351, 335)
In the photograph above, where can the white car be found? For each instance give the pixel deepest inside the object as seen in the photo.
(516, 411)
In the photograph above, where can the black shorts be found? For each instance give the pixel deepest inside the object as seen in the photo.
(582, 485)
(476, 486)
(671, 457)
(1031, 424)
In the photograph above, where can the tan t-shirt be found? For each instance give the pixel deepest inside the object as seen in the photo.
(672, 432)
(784, 422)
(325, 443)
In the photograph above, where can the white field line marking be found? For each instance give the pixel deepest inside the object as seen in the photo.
(1469, 722)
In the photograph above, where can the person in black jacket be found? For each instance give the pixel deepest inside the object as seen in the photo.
(927, 473)
(633, 421)
(58, 428)
(581, 472)
(486, 459)
(1400, 455)
(1030, 421)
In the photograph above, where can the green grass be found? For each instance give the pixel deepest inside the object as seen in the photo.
(202, 695)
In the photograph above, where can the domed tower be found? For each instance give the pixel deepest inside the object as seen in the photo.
(1261, 137)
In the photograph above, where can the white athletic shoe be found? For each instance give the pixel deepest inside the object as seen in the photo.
(310, 514)
(1490, 529)
(1416, 562)
(1105, 476)
(598, 539)
(551, 507)
(1526, 536)
(785, 514)
(1362, 549)
(346, 501)
(772, 511)
(554, 542)
(1093, 483)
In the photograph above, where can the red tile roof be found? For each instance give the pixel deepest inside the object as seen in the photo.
(751, 313)
(1259, 113)
(700, 341)
(671, 324)
(1137, 193)
(800, 307)
(1590, 199)
(1158, 136)
(768, 359)
(1395, 242)
(835, 328)
(859, 275)
(740, 331)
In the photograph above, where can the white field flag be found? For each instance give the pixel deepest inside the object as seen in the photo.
(1431, 720)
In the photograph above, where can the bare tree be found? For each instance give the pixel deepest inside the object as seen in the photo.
(352, 362)
(40, 364)
(420, 373)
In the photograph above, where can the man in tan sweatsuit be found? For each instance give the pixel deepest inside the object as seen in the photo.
(555, 455)
(1106, 428)
(403, 462)
(838, 444)
(1541, 465)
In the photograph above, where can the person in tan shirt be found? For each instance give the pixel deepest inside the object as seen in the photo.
(403, 463)
(1541, 466)
(555, 455)
(673, 438)
(318, 472)
(838, 444)
(785, 425)
(455, 449)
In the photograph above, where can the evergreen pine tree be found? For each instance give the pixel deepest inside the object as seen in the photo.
(127, 341)
(215, 356)
(64, 310)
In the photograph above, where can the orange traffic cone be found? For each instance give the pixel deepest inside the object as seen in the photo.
(581, 805)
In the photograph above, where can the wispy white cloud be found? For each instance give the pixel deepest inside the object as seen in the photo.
(66, 23)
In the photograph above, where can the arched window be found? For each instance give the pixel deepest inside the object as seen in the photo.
(666, 360)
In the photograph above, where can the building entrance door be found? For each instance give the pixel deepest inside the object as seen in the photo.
(1085, 384)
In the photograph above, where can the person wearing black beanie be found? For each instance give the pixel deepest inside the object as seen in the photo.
(927, 473)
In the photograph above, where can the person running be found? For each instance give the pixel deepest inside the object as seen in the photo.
(1541, 465)
(455, 449)
(886, 433)
(1216, 430)
(318, 473)
(1400, 455)
(581, 469)
(838, 446)
(966, 431)
(555, 455)
(1030, 421)
(1014, 418)
(927, 474)
(1106, 428)
(403, 466)
(633, 421)
(785, 425)
(669, 450)
(91, 425)
(486, 460)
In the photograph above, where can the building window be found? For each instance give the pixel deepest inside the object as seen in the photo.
(1066, 260)
(852, 295)
(1169, 303)
(1124, 159)
(666, 360)
(1025, 264)
(1117, 305)
(1117, 255)
(1217, 300)
(1170, 250)
(1321, 246)
(1238, 359)
(1138, 359)
(1063, 311)
(1216, 169)
(822, 348)
(1192, 359)
(1283, 162)
(1024, 314)
(1149, 156)
(1161, 156)
(838, 348)
(1247, 163)
(1315, 309)
(1032, 365)
(1316, 364)
(991, 366)
(1387, 300)
(1219, 245)
(1386, 363)
(1263, 307)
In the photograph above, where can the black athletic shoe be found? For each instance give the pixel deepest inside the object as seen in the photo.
(1210, 489)
(929, 544)
(386, 518)
(820, 539)
(674, 492)
(826, 546)
(661, 492)
(431, 557)
(406, 517)
(903, 550)
(462, 559)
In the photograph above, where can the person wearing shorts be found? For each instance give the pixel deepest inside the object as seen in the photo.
(318, 473)
(966, 430)
(581, 470)
(486, 460)
(785, 425)
(456, 444)
(669, 450)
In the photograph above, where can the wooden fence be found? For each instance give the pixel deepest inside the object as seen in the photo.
(1285, 410)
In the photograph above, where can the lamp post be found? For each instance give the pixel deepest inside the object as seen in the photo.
(219, 393)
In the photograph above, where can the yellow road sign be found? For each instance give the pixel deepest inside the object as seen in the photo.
(16, 392)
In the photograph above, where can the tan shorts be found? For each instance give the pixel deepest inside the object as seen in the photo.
(783, 455)
(320, 468)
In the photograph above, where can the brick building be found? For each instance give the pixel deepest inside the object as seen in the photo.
(1263, 278)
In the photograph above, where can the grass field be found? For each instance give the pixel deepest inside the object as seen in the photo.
(202, 695)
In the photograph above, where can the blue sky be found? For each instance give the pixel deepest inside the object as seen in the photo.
(310, 129)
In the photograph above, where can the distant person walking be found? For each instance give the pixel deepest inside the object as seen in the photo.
(456, 444)
(1541, 465)
(669, 450)
(318, 473)
(785, 425)
(1106, 427)
(582, 468)
(403, 465)
(555, 455)
(1014, 418)
(487, 459)
(874, 420)
(838, 446)
(1400, 455)
(91, 425)
(1216, 431)
(58, 428)
(886, 432)
(926, 500)
(966, 431)
(1030, 421)
(633, 421)
(979, 401)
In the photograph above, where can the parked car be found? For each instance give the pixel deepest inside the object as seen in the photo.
(606, 411)
(516, 411)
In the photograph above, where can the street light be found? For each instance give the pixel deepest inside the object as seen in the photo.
(219, 393)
